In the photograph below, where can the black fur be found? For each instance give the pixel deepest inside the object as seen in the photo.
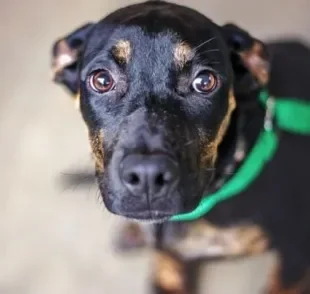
(153, 109)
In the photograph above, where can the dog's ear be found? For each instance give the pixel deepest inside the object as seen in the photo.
(249, 59)
(66, 52)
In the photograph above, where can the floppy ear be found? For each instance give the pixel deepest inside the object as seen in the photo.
(65, 58)
(249, 59)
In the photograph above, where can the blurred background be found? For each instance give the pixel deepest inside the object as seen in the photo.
(55, 236)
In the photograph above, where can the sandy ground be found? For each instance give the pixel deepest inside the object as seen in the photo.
(55, 238)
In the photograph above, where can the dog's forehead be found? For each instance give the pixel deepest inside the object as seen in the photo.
(155, 22)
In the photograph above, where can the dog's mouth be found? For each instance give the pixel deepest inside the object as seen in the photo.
(149, 216)
(143, 199)
(118, 200)
(151, 187)
(150, 177)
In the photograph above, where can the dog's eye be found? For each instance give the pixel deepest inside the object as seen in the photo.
(205, 82)
(101, 81)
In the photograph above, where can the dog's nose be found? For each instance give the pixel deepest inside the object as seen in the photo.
(149, 175)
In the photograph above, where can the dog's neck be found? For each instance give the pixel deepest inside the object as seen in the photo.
(245, 126)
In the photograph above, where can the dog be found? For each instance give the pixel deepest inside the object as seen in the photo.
(168, 97)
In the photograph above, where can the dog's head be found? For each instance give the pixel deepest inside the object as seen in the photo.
(157, 86)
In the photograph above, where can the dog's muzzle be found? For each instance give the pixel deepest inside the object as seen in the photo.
(150, 176)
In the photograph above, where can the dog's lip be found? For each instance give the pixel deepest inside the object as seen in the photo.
(149, 215)
(150, 212)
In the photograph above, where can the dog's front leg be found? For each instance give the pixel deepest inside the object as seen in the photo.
(168, 275)
(171, 274)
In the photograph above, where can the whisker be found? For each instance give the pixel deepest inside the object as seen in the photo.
(214, 62)
(203, 43)
(211, 50)
(68, 174)
(224, 173)
(189, 142)
(230, 173)
(99, 199)
(210, 169)
(74, 180)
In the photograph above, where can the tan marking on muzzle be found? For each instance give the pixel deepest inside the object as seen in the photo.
(182, 54)
(211, 149)
(76, 100)
(122, 51)
(223, 128)
(96, 143)
(168, 273)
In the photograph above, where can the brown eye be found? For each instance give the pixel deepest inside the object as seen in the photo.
(205, 82)
(101, 81)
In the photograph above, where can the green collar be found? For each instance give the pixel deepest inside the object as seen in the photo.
(290, 115)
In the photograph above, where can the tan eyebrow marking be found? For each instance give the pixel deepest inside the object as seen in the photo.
(182, 54)
(122, 51)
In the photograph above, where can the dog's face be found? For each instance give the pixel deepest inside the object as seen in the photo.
(156, 85)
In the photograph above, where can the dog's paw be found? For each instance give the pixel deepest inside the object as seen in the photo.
(207, 241)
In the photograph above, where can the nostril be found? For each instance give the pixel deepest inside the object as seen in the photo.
(152, 175)
(160, 180)
(133, 179)
(163, 178)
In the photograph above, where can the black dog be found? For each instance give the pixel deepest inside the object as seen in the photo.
(166, 95)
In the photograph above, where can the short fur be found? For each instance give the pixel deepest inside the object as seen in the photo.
(160, 47)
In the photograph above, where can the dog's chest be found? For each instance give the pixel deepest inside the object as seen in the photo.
(201, 239)
(239, 226)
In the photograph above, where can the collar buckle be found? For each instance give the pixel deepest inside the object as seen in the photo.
(269, 115)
